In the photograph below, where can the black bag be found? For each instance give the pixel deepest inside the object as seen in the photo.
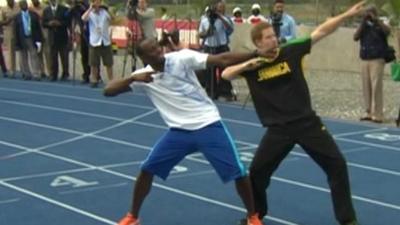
(390, 54)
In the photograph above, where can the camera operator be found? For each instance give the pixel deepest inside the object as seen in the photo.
(80, 30)
(215, 29)
(372, 34)
(139, 10)
(284, 25)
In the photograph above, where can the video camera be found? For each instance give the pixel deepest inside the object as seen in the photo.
(132, 5)
(167, 36)
(276, 20)
(212, 14)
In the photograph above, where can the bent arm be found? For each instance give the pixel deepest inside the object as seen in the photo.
(85, 16)
(118, 86)
(235, 71)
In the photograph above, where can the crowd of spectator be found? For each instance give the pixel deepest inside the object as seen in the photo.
(45, 33)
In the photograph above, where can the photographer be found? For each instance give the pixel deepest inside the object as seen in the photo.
(139, 10)
(372, 34)
(284, 25)
(215, 29)
(99, 21)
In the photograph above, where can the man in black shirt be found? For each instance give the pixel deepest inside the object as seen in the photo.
(282, 101)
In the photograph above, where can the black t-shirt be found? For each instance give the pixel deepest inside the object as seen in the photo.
(279, 89)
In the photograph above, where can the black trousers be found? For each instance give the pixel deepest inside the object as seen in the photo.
(317, 142)
(62, 51)
(211, 80)
(85, 59)
(2, 62)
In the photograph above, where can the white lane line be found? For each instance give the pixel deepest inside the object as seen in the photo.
(313, 187)
(253, 124)
(317, 188)
(199, 197)
(64, 110)
(185, 175)
(107, 138)
(8, 201)
(66, 86)
(164, 187)
(93, 188)
(386, 147)
(69, 171)
(352, 164)
(60, 204)
(46, 174)
(359, 132)
(75, 98)
(375, 169)
(81, 136)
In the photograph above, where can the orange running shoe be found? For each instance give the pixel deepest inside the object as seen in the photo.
(254, 220)
(129, 219)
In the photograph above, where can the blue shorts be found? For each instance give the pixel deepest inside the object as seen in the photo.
(214, 141)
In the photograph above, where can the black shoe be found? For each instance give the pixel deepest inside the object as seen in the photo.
(94, 85)
(242, 222)
(25, 77)
(365, 118)
(84, 81)
(43, 76)
(351, 223)
(64, 77)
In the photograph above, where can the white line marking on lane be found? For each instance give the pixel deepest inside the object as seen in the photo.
(8, 201)
(60, 204)
(93, 188)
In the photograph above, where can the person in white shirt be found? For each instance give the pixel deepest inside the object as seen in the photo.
(100, 48)
(256, 16)
(194, 121)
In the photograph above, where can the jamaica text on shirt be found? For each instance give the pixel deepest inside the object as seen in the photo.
(274, 71)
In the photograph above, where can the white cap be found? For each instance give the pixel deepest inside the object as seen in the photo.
(255, 6)
(236, 9)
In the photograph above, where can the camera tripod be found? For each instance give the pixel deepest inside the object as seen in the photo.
(134, 32)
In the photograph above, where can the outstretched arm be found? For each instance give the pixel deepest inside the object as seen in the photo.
(230, 58)
(332, 24)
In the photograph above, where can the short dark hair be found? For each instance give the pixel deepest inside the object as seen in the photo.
(256, 31)
(140, 49)
(279, 1)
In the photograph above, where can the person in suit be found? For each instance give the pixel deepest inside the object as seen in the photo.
(56, 21)
(80, 30)
(8, 14)
(44, 54)
(28, 40)
(2, 61)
